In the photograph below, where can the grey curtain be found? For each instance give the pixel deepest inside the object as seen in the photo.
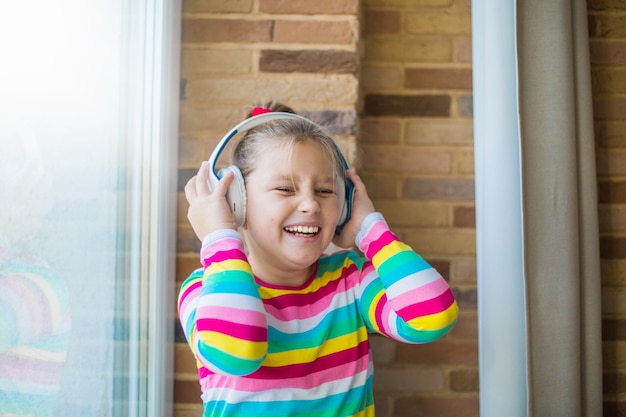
(560, 232)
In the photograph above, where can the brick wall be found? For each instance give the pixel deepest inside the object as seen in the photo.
(607, 31)
(416, 149)
(394, 78)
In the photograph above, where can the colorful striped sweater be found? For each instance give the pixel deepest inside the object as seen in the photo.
(264, 350)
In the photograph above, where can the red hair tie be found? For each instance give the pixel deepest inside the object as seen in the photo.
(260, 110)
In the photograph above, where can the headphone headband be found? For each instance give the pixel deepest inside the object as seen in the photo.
(248, 124)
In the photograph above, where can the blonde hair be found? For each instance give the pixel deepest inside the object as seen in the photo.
(289, 132)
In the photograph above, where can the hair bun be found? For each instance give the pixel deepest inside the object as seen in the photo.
(260, 110)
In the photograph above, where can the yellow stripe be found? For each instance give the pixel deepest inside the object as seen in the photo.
(234, 346)
(307, 355)
(228, 265)
(436, 321)
(368, 412)
(391, 249)
(372, 310)
(318, 282)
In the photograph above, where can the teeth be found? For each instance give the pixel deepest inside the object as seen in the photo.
(302, 229)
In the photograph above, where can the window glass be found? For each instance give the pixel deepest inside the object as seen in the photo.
(71, 318)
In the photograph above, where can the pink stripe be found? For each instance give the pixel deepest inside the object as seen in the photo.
(221, 245)
(421, 294)
(304, 370)
(299, 313)
(192, 287)
(250, 384)
(379, 244)
(234, 315)
(239, 331)
(379, 309)
(425, 308)
(374, 233)
(190, 294)
(228, 255)
(289, 307)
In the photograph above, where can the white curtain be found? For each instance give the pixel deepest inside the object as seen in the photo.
(538, 252)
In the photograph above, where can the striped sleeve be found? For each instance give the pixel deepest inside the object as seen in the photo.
(221, 311)
(402, 296)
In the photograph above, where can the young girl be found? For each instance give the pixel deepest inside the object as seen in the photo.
(281, 328)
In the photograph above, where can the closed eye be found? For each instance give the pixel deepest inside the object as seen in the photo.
(285, 189)
(325, 191)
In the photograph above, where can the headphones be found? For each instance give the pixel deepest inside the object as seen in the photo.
(236, 194)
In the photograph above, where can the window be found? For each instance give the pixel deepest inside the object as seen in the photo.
(88, 128)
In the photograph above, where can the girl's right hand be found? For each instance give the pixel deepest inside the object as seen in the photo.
(208, 209)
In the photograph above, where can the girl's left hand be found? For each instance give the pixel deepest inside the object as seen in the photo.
(361, 207)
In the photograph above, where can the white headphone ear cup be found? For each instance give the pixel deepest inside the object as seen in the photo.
(236, 194)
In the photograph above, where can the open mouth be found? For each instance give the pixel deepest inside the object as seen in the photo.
(302, 231)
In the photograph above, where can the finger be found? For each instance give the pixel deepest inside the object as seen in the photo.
(224, 183)
(354, 177)
(202, 181)
(190, 188)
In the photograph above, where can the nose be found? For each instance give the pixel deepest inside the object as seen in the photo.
(308, 203)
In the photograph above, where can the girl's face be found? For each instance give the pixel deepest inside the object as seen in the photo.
(292, 211)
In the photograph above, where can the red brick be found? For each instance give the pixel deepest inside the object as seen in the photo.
(612, 192)
(466, 298)
(187, 392)
(464, 50)
(408, 379)
(377, 131)
(226, 30)
(312, 31)
(439, 189)
(438, 78)
(381, 186)
(614, 408)
(309, 61)
(466, 327)
(187, 241)
(609, 108)
(464, 217)
(610, 134)
(614, 384)
(614, 329)
(407, 105)
(602, 52)
(464, 380)
(405, 160)
(184, 360)
(443, 267)
(611, 26)
(605, 4)
(437, 407)
(439, 353)
(309, 7)
(221, 6)
(185, 265)
(383, 405)
(381, 22)
(610, 162)
(613, 247)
